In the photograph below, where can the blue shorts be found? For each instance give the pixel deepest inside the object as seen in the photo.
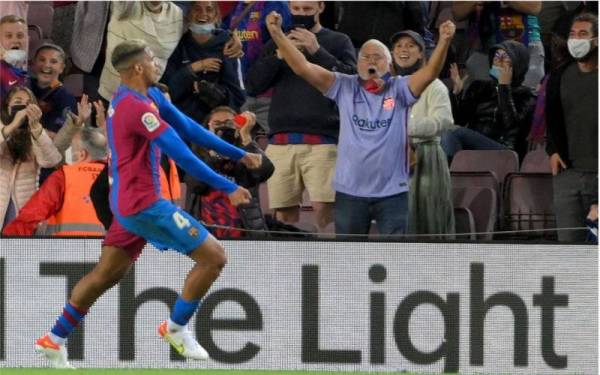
(166, 226)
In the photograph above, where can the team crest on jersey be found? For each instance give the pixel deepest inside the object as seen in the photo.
(150, 121)
(388, 103)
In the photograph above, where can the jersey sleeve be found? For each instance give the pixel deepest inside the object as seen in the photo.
(403, 94)
(144, 119)
(340, 87)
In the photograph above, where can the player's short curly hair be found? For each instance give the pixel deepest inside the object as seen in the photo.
(126, 52)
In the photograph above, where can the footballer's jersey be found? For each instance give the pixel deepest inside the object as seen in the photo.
(133, 123)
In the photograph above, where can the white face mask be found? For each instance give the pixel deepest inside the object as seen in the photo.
(579, 48)
(15, 56)
(203, 29)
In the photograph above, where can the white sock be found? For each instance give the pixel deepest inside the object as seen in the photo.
(174, 327)
(57, 339)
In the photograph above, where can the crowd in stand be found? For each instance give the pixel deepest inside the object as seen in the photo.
(358, 108)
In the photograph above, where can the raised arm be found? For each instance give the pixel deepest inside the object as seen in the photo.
(419, 81)
(318, 77)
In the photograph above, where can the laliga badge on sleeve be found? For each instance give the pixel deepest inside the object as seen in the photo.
(150, 121)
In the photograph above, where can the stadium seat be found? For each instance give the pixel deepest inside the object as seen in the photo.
(482, 203)
(536, 162)
(35, 41)
(464, 222)
(74, 84)
(500, 162)
(35, 32)
(529, 204)
(41, 14)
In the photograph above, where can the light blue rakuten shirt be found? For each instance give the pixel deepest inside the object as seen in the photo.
(372, 147)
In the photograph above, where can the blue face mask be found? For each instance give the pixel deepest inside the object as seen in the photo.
(198, 28)
(495, 72)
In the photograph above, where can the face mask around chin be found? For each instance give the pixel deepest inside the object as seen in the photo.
(202, 29)
(15, 56)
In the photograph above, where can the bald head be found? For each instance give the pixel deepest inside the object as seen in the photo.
(89, 144)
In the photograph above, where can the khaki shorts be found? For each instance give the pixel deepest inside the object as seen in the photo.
(299, 167)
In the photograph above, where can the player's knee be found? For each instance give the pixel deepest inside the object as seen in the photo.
(218, 257)
(221, 257)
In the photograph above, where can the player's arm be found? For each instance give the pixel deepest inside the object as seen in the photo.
(318, 77)
(170, 143)
(191, 130)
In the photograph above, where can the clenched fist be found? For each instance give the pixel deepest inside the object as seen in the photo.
(447, 30)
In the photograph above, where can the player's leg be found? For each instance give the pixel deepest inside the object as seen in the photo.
(210, 259)
(113, 265)
(168, 227)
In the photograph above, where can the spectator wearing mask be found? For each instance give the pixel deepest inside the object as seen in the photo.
(430, 195)
(572, 120)
(304, 125)
(493, 22)
(371, 177)
(14, 42)
(158, 23)
(24, 148)
(200, 77)
(247, 21)
(64, 199)
(494, 114)
(215, 207)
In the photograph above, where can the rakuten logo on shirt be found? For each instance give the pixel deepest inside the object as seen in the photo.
(369, 125)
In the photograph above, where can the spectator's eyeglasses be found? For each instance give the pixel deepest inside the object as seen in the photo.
(374, 56)
(501, 56)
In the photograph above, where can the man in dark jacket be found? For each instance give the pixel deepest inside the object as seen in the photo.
(572, 119)
(496, 114)
(304, 125)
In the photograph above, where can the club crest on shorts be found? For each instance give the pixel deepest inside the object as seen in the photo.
(150, 121)
(388, 103)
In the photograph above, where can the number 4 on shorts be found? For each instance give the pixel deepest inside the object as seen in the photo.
(180, 220)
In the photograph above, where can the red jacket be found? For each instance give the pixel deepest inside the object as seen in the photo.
(44, 204)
